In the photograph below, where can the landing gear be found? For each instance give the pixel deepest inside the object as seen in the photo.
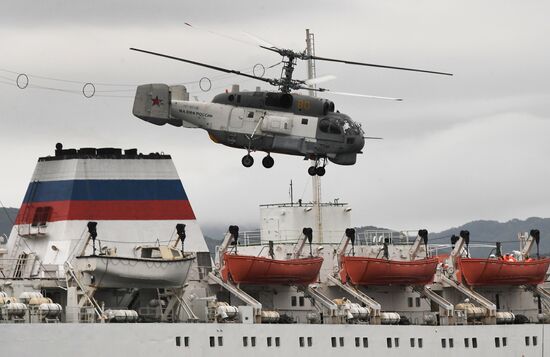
(317, 169)
(247, 160)
(320, 171)
(268, 162)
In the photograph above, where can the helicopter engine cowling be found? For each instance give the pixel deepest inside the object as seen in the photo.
(344, 159)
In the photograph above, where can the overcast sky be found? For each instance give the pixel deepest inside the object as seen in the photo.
(472, 146)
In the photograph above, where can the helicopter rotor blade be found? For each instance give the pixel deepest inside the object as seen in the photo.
(374, 65)
(362, 95)
(271, 48)
(259, 40)
(221, 69)
(321, 79)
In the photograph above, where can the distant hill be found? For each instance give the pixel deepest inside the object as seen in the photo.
(490, 232)
(506, 232)
(7, 216)
(211, 243)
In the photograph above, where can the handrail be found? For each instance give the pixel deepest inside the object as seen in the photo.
(190, 314)
(359, 295)
(427, 292)
(235, 290)
(486, 303)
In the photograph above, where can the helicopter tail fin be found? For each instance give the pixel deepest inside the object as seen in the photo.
(152, 103)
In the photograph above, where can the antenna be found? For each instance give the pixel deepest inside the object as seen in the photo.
(316, 179)
(291, 194)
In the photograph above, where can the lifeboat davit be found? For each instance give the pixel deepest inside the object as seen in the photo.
(246, 269)
(478, 272)
(375, 271)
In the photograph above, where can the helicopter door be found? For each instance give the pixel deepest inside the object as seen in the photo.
(236, 118)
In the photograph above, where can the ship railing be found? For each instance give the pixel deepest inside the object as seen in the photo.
(381, 236)
(151, 313)
(120, 247)
(437, 249)
(250, 238)
(305, 204)
(156, 313)
(420, 317)
(84, 314)
(290, 236)
(364, 238)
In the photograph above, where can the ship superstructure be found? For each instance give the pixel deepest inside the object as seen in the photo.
(106, 251)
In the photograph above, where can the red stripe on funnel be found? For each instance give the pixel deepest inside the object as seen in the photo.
(109, 210)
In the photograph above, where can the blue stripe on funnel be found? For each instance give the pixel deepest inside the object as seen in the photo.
(105, 190)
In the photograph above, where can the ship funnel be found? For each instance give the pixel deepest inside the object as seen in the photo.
(135, 198)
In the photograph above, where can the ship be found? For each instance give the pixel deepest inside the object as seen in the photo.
(107, 256)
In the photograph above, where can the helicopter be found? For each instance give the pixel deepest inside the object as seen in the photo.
(279, 121)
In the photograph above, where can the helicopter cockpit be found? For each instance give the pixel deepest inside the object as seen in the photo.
(339, 124)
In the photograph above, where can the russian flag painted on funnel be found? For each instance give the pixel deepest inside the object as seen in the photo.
(104, 199)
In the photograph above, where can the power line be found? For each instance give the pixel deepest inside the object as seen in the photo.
(22, 80)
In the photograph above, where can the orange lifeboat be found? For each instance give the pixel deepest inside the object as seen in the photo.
(246, 269)
(479, 272)
(375, 271)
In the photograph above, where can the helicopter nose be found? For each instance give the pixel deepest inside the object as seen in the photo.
(360, 143)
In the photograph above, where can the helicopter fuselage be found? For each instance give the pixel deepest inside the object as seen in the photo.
(272, 122)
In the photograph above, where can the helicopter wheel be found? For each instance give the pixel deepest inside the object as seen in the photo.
(268, 162)
(312, 171)
(247, 160)
(320, 171)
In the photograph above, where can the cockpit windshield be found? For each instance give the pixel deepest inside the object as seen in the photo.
(341, 124)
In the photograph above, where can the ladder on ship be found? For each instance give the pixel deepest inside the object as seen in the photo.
(480, 299)
(239, 294)
(176, 303)
(335, 315)
(543, 294)
(360, 296)
(80, 296)
(446, 309)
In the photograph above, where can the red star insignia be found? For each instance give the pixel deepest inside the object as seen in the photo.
(157, 101)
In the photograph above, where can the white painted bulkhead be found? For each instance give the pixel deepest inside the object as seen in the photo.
(284, 223)
(145, 340)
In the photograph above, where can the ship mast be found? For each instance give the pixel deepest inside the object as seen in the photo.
(316, 179)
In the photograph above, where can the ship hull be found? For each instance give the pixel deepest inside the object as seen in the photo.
(119, 272)
(480, 272)
(244, 269)
(145, 340)
(374, 271)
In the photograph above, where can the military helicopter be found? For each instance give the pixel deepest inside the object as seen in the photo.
(270, 121)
